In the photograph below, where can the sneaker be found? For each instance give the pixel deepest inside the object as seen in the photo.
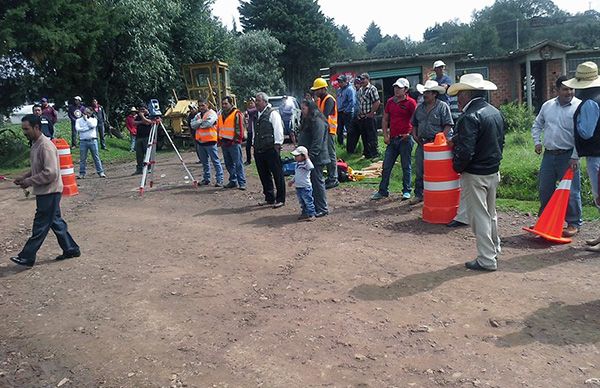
(137, 172)
(377, 196)
(415, 200)
(204, 183)
(81, 176)
(22, 261)
(278, 205)
(405, 196)
(102, 175)
(265, 203)
(218, 184)
(243, 188)
(321, 214)
(230, 185)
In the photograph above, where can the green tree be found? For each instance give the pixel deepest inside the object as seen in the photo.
(299, 25)
(372, 36)
(393, 46)
(347, 48)
(256, 67)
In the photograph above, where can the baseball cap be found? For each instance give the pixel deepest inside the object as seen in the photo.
(402, 83)
(438, 64)
(44, 99)
(77, 98)
(343, 78)
(300, 151)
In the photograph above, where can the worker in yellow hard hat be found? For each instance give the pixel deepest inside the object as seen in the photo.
(328, 106)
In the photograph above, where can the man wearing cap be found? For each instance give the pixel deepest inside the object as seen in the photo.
(47, 126)
(368, 102)
(346, 98)
(442, 79)
(555, 121)
(397, 129)
(478, 146)
(430, 118)
(74, 112)
(49, 111)
(328, 106)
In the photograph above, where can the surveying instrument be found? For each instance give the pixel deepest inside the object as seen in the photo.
(150, 156)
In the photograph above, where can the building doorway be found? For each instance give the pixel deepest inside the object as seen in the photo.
(538, 83)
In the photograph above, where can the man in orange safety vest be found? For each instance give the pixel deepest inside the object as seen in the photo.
(328, 106)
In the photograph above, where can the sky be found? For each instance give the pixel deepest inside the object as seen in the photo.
(402, 18)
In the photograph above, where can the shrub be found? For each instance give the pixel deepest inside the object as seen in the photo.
(518, 117)
(13, 148)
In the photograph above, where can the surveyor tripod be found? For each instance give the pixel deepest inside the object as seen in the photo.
(150, 156)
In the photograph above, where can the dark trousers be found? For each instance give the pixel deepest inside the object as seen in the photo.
(365, 129)
(344, 123)
(249, 146)
(270, 168)
(101, 136)
(47, 216)
(319, 192)
(141, 145)
(73, 134)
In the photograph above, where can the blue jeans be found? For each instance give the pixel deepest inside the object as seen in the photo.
(232, 155)
(206, 152)
(397, 147)
(47, 216)
(92, 146)
(419, 160)
(305, 197)
(552, 170)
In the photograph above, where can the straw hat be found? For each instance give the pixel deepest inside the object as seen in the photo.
(473, 81)
(586, 76)
(432, 86)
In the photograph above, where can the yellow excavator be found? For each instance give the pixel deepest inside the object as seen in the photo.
(209, 80)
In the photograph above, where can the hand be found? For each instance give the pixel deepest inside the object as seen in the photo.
(370, 115)
(597, 200)
(278, 147)
(18, 181)
(23, 184)
(538, 149)
(386, 138)
(574, 164)
(290, 183)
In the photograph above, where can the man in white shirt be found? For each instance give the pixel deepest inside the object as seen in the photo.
(555, 120)
(268, 138)
(86, 128)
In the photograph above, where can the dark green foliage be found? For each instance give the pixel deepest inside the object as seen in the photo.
(309, 38)
(518, 117)
(372, 36)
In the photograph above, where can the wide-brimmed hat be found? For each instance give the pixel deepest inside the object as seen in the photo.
(586, 76)
(472, 81)
(431, 86)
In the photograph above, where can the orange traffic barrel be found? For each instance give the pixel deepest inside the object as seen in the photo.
(67, 171)
(441, 183)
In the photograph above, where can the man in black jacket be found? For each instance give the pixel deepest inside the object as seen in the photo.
(478, 146)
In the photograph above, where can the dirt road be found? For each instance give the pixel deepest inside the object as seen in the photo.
(202, 288)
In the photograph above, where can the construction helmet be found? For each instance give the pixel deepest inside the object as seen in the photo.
(319, 83)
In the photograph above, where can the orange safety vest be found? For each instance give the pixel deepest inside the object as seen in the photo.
(227, 126)
(332, 120)
(205, 135)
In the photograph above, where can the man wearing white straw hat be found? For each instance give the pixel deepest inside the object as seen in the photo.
(430, 118)
(478, 146)
(587, 126)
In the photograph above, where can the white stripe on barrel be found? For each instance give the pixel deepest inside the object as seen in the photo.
(564, 185)
(64, 151)
(441, 186)
(67, 171)
(438, 155)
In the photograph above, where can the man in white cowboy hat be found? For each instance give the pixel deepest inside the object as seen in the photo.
(587, 126)
(555, 120)
(478, 145)
(430, 118)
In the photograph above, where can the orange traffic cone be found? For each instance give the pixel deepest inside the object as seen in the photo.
(67, 171)
(551, 221)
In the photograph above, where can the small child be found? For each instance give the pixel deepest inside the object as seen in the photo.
(303, 185)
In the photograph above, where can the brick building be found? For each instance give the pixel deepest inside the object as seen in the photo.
(526, 75)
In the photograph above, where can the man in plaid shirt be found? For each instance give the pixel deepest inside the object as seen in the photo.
(368, 102)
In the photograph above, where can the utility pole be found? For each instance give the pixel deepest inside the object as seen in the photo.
(517, 30)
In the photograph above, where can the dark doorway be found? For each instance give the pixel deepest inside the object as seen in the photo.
(538, 83)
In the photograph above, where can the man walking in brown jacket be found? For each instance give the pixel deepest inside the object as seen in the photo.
(45, 178)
